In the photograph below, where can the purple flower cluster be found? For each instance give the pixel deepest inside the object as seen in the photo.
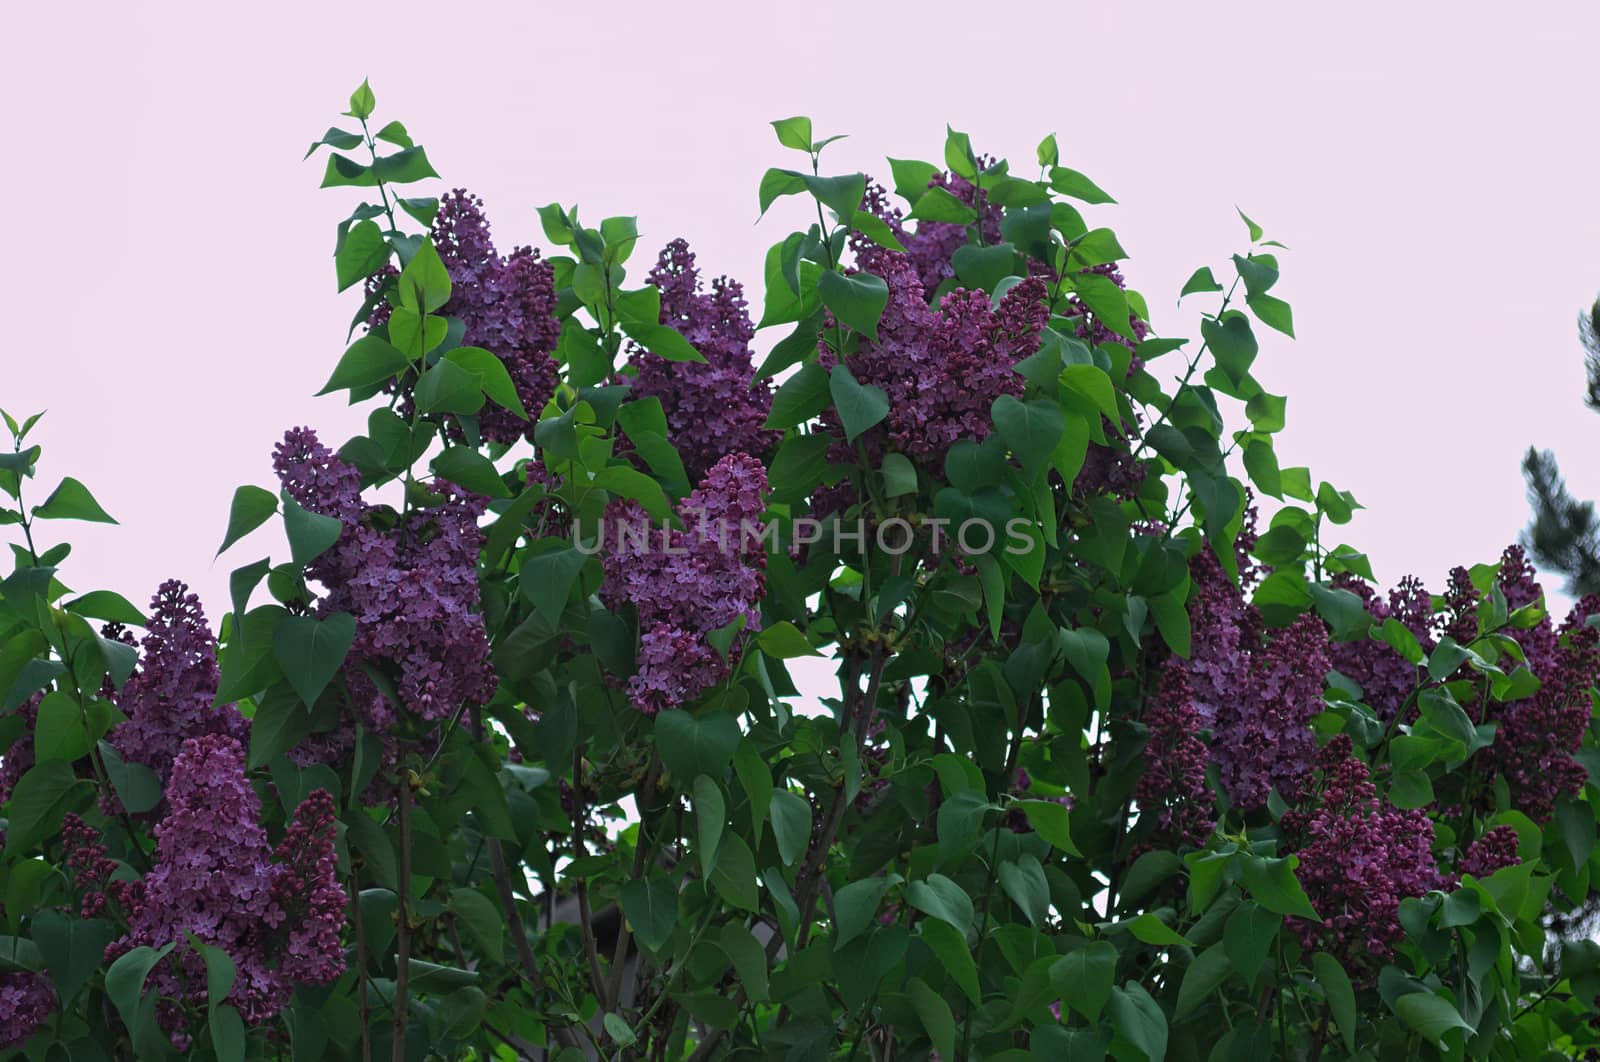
(940, 369)
(709, 575)
(1263, 738)
(16, 760)
(507, 303)
(1222, 626)
(215, 878)
(712, 409)
(170, 698)
(1536, 738)
(1495, 850)
(90, 868)
(1386, 678)
(413, 589)
(1173, 786)
(26, 1003)
(931, 246)
(1359, 857)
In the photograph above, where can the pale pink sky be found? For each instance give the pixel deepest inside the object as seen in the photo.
(1434, 167)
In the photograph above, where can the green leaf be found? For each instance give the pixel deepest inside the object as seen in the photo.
(281, 722)
(934, 1013)
(1208, 970)
(662, 340)
(777, 183)
(783, 641)
(949, 944)
(855, 906)
(749, 959)
(858, 300)
(1024, 881)
(711, 815)
(1340, 994)
(691, 746)
(546, 579)
(757, 782)
(1152, 930)
(791, 824)
(1052, 822)
(1030, 429)
(939, 897)
(424, 284)
(1430, 1015)
(58, 731)
(494, 380)
(860, 406)
(73, 949)
(1248, 937)
(362, 253)
(1272, 312)
(310, 534)
(362, 101)
(1084, 978)
(800, 397)
(449, 388)
(794, 132)
(72, 501)
(1139, 1020)
(252, 507)
(41, 798)
(481, 918)
(651, 905)
(899, 475)
(982, 268)
(125, 982)
(1074, 184)
(1273, 885)
(466, 467)
(1201, 280)
(137, 786)
(735, 876)
(310, 651)
(1232, 343)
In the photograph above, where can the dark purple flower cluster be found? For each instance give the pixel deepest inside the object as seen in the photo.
(1359, 857)
(1495, 850)
(1386, 678)
(940, 369)
(1536, 738)
(710, 574)
(1263, 738)
(507, 303)
(170, 698)
(16, 760)
(716, 408)
(1173, 786)
(88, 865)
(931, 246)
(412, 588)
(215, 878)
(307, 902)
(1222, 625)
(26, 1003)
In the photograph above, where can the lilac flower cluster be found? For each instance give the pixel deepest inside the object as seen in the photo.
(16, 760)
(1536, 738)
(1386, 678)
(712, 409)
(1359, 857)
(931, 246)
(215, 877)
(1263, 738)
(26, 1003)
(1495, 850)
(413, 589)
(1173, 785)
(89, 866)
(170, 698)
(940, 369)
(507, 303)
(1222, 626)
(707, 576)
